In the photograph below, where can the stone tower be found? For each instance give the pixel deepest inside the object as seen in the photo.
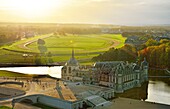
(144, 69)
(70, 68)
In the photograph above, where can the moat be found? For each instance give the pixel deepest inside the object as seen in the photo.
(156, 90)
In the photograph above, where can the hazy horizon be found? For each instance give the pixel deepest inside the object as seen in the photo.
(116, 12)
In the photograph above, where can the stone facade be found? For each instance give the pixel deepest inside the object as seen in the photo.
(120, 75)
(72, 71)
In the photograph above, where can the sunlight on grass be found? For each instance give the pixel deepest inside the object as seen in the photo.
(85, 46)
(12, 74)
(5, 107)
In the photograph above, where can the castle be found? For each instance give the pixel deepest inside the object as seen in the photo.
(72, 71)
(118, 75)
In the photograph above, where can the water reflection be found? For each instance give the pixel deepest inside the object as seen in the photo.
(139, 93)
(152, 91)
(158, 92)
(52, 71)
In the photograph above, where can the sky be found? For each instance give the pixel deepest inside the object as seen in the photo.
(118, 12)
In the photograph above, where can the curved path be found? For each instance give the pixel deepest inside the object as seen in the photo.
(25, 44)
(115, 43)
(111, 42)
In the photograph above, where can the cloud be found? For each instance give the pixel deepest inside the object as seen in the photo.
(99, 0)
(132, 12)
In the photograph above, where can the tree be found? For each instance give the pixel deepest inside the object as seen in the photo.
(157, 56)
(49, 55)
(41, 42)
(151, 42)
(126, 53)
(41, 46)
(43, 49)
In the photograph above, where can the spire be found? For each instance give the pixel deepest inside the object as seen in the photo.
(144, 59)
(144, 62)
(72, 52)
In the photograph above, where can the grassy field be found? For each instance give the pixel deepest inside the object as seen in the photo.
(85, 46)
(5, 107)
(81, 43)
(18, 45)
(12, 74)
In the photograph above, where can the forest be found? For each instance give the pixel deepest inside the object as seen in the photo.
(151, 42)
(156, 53)
(12, 32)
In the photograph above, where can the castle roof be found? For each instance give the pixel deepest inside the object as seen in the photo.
(144, 63)
(72, 61)
(136, 67)
(107, 64)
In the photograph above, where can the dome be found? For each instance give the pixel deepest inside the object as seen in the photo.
(72, 62)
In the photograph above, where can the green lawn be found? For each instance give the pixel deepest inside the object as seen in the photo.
(117, 37)
(5, 107)
(85, 46)
(18, 45)
(81, 43)
(12, 74)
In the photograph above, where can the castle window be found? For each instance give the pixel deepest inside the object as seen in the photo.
(69, 69)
